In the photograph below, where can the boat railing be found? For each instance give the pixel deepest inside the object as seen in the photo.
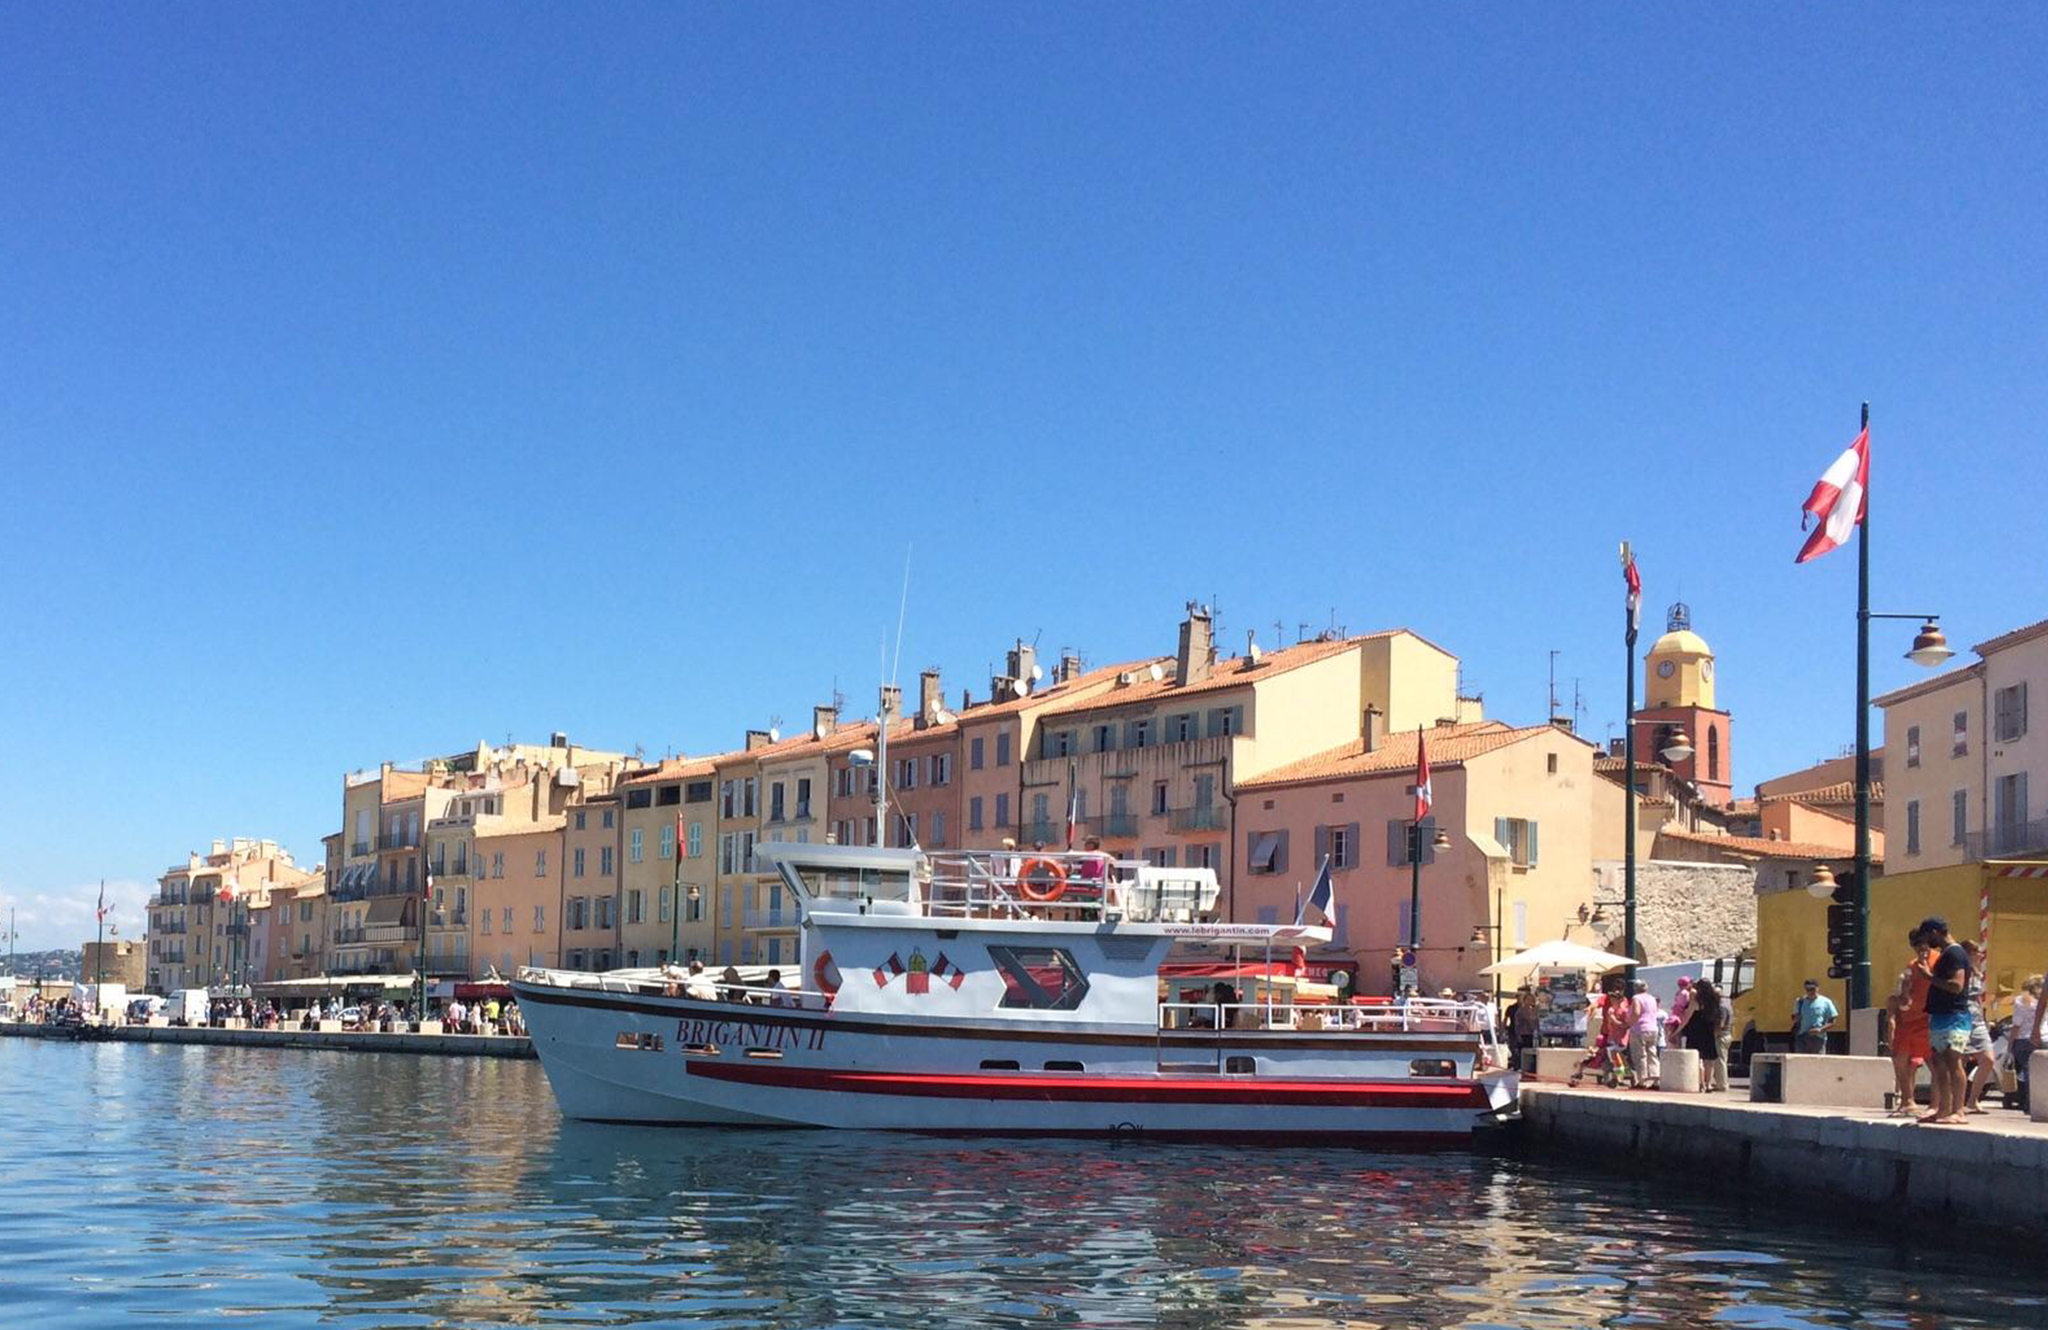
(705, 987)
(1085, 885)
(1420, 1016)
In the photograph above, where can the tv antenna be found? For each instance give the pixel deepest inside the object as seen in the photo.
(1553, 683)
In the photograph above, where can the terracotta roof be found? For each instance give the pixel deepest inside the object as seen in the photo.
(1764, 848)
(676, 768)
(1613, 766)
(1061, 696)
(1234, 672)
(1741, 808)
(2012, 639)
(1926, 686)
(1449, 746)
(1841, 792)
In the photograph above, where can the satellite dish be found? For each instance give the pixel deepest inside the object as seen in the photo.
(861, 757)
(1023, 687)
(1158, 672)
(774, 734)
(1037, 673)
(943, 716)
(1255, 653)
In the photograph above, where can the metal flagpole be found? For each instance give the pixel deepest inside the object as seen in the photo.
(1859, 973)
(675, 901)
(1628, 783)
(99, 947)
(426, 904)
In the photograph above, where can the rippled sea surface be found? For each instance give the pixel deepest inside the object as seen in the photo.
(164, 1185)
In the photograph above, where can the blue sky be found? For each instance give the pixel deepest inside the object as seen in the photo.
(378, 379)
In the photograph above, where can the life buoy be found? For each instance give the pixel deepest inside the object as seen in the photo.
(1042, 880)
(825, 974)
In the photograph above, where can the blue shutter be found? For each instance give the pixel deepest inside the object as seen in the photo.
(1397, 843)
(1322, 847)
(1280, 855)
(1532, 842)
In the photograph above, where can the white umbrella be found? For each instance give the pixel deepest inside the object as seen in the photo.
(1560, 955)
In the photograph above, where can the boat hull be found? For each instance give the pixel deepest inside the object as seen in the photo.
(681, 1062)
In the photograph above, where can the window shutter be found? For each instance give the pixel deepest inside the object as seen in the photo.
(1322, 846)
(1532, 842)
(1425, 838)
(1280, 855)
(2019, 799)
(1500, 834)
(1397, 843)
(2020, 706)
(1350, 846)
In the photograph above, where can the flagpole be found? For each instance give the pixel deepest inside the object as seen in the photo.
(99, 947)
(675, 902)
(1628, 797)
(1415, 879)
(1859, 973)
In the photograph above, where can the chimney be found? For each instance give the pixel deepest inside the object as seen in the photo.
(1022, 660)
(558, 740)
(1616, 748)
(1070, 668)
(1197, 651)
(1374, 730)
(1562, 722)
(824, 720)
(757, 739)
(892, 704)
(931, 699)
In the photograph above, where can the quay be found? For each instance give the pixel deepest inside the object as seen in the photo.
(1991, 1171)
(352, 1041)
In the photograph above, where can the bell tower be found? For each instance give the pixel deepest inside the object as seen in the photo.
(1679, 710)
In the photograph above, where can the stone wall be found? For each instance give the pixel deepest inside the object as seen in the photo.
(1684, 911)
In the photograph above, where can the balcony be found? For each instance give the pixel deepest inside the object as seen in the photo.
(358, 849)
(788, 917)
(2008, 839)
(344, 937)
(1206, 817)
(1112, 824)
(403, 840)
(460, 868)
(1045, 833)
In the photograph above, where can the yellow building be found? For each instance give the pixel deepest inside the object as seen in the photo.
(195, 940)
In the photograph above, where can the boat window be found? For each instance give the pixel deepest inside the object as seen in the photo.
(1039, 978)
(998, 1064)
(639, 1043)
(1058, 1064)
(764, 1052)
(1241, 1066)
(701, 1050)
(1432, 1067)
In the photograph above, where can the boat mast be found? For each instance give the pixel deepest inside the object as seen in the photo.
(885, 714)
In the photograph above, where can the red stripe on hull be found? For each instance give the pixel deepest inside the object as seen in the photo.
(1105, 1089)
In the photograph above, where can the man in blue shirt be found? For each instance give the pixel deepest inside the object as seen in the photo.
(1811, 1017)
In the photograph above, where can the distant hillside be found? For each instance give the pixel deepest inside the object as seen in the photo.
(61, 963)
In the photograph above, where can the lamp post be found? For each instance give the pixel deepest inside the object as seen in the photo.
(695, 895)
(1441, 842)
(1677, 747)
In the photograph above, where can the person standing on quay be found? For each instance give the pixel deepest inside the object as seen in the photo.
(2026, 1011)
(1704, 1030)
(1909, 1026)
(1811, 1017)
(1977, 1060)
(1948, 1019)
(1648, 1031)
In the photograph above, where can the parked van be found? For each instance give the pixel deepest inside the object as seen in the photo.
(189, 1006)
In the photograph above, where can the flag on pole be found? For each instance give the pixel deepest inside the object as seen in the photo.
(1423, 795)
(1322, 898)
(1838, 500)
(1073, 813)
(427, 891)
(1635, 590)
(100, 911)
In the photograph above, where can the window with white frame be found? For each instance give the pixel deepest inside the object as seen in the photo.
(634, 845)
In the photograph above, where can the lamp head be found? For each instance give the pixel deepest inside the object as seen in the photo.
(1442, 840)
(1679, 746)
(1823, 884)
(1930, 648)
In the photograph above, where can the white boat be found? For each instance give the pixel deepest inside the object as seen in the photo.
(1009, 994)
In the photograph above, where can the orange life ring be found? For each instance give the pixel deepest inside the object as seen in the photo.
(819, 968)
(1033, 884)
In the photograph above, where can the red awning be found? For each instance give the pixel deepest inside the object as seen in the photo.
(1226, 970)
(466, 992)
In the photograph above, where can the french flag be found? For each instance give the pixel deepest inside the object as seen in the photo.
(1838, 500)
(1322, 898)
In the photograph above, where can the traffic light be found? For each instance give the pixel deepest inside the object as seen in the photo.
(1842, 928)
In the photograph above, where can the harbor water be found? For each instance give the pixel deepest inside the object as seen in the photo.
(168, 1185)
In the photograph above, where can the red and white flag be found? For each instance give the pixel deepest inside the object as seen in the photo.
(1424, 797)
(1838, 500)
(1634, 580)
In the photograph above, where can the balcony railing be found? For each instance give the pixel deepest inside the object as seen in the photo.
(786, 917)
(359, 848)
(347, 936)
(1203, 817)
(2008, 839)
(460, 868)
(403, 840)
(1112, 824)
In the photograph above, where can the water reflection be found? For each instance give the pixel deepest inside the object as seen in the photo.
(191, 1185)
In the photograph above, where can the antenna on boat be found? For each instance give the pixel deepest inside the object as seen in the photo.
(902, 608)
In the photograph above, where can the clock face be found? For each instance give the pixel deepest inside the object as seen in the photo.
(1665, 668)
(1706, 669)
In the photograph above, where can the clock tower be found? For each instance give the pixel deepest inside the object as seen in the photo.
(1678, 693)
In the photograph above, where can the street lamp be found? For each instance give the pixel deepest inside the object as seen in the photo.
(1441, 841)
(1678, 747)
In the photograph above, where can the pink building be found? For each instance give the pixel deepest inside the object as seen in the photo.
(1517, 805)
